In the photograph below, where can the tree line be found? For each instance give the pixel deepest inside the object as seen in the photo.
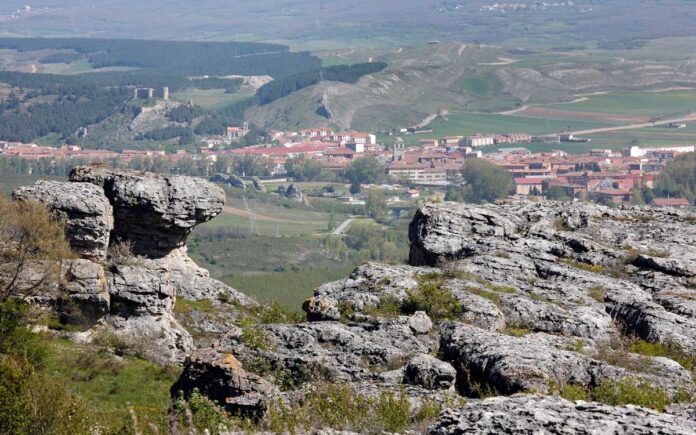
(180, 58)
(280, 88)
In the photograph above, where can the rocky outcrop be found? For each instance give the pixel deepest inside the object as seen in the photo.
(429, 372)
(292, 192)
(130, 290)
(155, 213)
(86, 211)
(221, 378)
(528, 297)
(577, 269)
(549, 415)
(235, 181)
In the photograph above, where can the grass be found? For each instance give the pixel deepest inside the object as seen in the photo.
(289, 289)
(670, 350)
(594, 268)
(209, 98)
(636, 103)
(472, 123)
(626, 391)
(110, 385)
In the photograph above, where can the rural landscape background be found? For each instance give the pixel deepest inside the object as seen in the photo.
(225, 90)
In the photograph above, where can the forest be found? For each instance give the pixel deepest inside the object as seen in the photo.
(277, 89)
(43, 104)
(179, 57)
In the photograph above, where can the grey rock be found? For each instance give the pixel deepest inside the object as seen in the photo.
(84, 289)
(429, 372)
(84, 208)
(222, 378)
(420, 323)
(514, 364)
(292, 192)
(554, 415)
(154, 212)
(333, 350)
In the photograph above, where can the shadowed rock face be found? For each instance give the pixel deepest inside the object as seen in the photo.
(156, 213)
(84, 208)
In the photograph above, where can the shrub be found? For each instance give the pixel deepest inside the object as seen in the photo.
(436, 301)
(594, 268)
(669, 350)
(598, 293)
(631, 391)
(201, 414)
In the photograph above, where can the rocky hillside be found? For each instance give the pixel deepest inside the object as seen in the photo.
(533, 303)
(516, 318)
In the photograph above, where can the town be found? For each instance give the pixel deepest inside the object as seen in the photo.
(602, 175)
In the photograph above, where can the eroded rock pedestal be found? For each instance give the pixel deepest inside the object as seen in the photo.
(130, 229)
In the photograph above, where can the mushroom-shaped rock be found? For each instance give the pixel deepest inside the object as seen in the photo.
(429, 372)
(221, 378)
(154, 212)
(84, 208)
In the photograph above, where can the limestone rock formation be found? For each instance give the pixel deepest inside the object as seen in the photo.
(154, 212)
(539, 297)
(549, 415)
(221, 378)
(235, 181)
(132, 294)
(292, 192)
(85, 210)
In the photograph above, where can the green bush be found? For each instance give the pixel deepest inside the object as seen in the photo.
(669, 350)
(434, 299)
(631, 391)
(201, 414)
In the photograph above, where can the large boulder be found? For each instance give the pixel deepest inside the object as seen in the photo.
(84, 208)
(156, 213)
(292, 192)
(553, 415)
(221, 377)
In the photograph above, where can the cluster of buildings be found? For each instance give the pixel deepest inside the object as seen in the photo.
(602, 175)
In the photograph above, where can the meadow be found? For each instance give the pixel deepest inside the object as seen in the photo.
(657, 104)
(473, 123)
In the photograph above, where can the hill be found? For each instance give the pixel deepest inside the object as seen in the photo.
(469, 78)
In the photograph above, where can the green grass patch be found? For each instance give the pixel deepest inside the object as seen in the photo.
(637, 103)
(109, 385)
(289, 289)
(672, 351)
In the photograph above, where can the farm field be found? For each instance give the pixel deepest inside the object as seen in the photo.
(651, 104)
(473, 123)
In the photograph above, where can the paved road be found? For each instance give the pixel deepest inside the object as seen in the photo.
(341, 228)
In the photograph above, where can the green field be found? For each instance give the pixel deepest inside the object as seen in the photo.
(636, 103)
(471, 123)
(288, 289)
(209, 98)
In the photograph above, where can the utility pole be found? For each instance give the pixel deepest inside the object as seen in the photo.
(253, 228)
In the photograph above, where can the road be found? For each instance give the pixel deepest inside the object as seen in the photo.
(341, 228)
(690, 117)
